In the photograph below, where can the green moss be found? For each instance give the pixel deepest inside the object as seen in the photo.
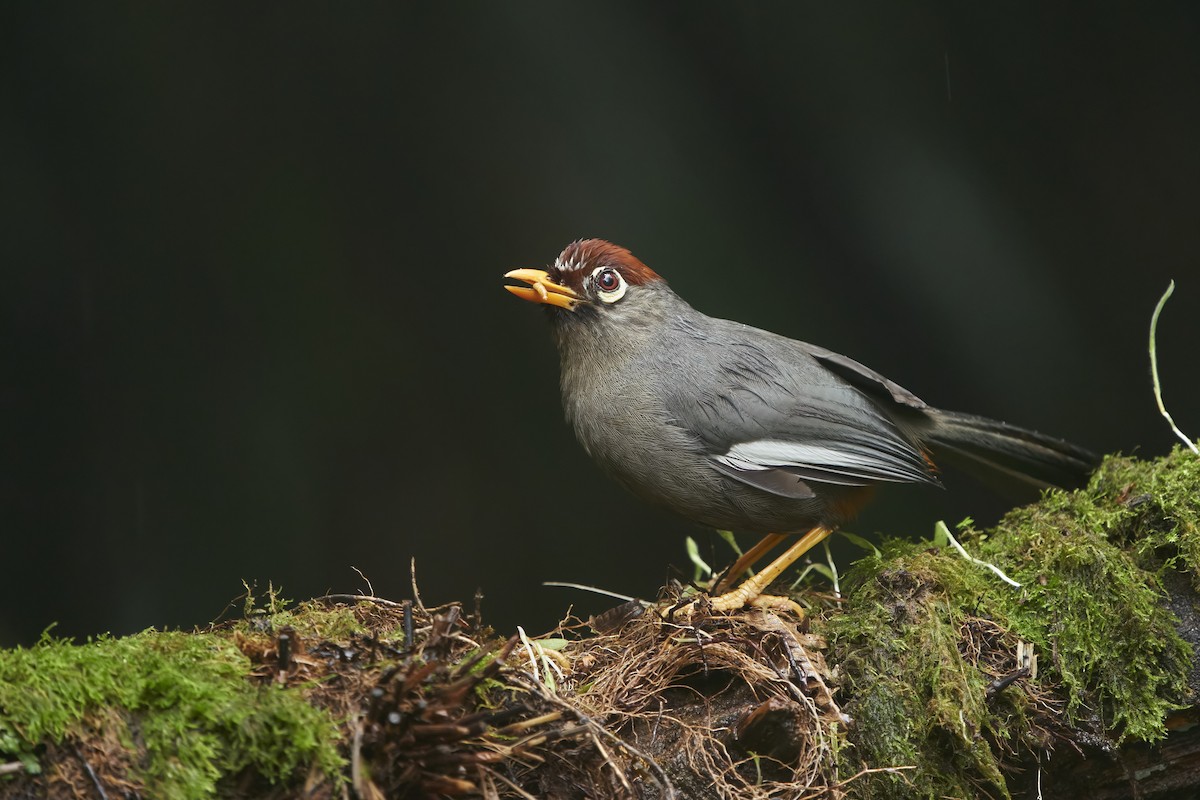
(312, 619)
(914, 698)
(1100, 615)
(1159, 508)
(1091, 603)
(183, 696)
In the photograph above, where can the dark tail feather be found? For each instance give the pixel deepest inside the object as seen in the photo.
(1006, 457)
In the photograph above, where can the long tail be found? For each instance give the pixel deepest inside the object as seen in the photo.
(1005, 456)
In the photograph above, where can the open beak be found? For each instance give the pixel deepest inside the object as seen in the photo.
(541, 289)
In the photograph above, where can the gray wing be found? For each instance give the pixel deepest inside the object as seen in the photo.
(773, 416)
(866, 378)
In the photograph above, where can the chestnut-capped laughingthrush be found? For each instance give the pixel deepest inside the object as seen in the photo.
(744, 430)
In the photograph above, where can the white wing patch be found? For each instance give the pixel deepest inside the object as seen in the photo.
(767, 453)
(845, 460)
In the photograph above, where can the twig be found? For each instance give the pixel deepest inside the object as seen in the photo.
(356, 766)
(1162, 409)
(416, 594)
(493, 774)
(528, 724)
(410, 634)
(594, 590)
(1003, 682)
(355, 598)
(608, 759)
(366, 580)
(91, 774)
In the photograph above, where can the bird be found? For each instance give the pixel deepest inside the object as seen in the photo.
(744, 430)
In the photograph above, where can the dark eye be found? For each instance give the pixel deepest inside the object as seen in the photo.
(608, 280)
(609, 285)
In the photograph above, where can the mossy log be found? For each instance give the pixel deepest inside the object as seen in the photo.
(928, 677)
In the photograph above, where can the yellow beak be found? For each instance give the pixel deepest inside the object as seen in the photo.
(541, 289)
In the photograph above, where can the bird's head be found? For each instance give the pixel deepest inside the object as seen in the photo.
(593, 283)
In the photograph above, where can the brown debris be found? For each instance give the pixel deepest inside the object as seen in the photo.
(726, 705)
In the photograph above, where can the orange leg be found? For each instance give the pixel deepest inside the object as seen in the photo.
(747, 560)
(750, 593)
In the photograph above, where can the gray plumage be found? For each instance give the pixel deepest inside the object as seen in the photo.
(742, 429)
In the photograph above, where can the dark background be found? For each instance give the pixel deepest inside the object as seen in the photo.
(252, 255)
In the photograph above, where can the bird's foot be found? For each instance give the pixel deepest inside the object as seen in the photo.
(775, 602)
(745, 597)
(731, 601)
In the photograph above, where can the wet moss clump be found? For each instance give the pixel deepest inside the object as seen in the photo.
(927, 649)
(177, 707)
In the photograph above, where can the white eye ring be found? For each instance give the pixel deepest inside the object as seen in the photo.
(611, 295)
